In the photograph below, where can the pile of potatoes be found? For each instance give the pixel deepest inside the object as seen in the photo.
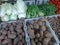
(12, 33)
(55, 24)
(39, 33)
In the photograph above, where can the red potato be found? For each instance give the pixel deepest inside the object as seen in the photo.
(0, 42)
(39, 43)
(6, 41)
(12, 31)
(11, 28)
(4, 32)
(23, 34)
(15, 41)
(19, 31)
(20, 43)
(32, 42)
(2, 37)
(20, 37)
(9, 43)
(12, 36)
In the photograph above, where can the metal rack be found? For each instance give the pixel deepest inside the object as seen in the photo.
(28, 2)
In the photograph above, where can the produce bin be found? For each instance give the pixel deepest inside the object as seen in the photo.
(31, 32)
(55, 24)
(12, 33)
(26, 40)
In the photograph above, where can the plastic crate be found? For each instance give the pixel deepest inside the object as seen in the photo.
(48, 25)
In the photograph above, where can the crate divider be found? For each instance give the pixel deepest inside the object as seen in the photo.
(26, 33)
(52, 32)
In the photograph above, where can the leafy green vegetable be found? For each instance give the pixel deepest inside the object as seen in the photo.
(33, 11)
(48, 9)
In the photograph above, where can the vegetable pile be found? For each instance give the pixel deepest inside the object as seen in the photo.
(39, 33)
(12, 33)
(13, 12)
(55, 23)
(33, 11)
(57, 5)
(48, 9)
(40, 10)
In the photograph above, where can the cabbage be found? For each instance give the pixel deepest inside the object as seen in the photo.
(3, 10)
(21, 7)
(5, 18)
(9, 9)
(22, 15)
(14, 10)
(10, 12)
(13, 17)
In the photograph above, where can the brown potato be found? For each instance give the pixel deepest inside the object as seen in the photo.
(31, 34)
(32, 42)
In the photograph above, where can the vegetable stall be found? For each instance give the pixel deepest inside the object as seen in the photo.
(30, 22)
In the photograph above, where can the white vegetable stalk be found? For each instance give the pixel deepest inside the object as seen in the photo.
(10, 12)
(3, 10)
(23, 15)
(14, 10)
(21, 6)
(5, 18)
(13, 17)
(9, 9)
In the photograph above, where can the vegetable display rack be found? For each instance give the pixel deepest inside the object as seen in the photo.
(28, 2)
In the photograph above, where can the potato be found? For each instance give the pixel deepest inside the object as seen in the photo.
(36, 26)
(6, 41)
(47, 34)
(32, 42)
(43, 28)
(37, 35)
(39, 43)
(12, 36)
(31, 34)
(46, 41)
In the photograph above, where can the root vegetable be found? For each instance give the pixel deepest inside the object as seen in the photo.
(39, 43)
(11, 36)
(36, 26)
(6, 41)
(31, 34)
(20, 43)
(46, 41)
(37, 35)
(47, 34)
(32, 42)
(43, 28)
